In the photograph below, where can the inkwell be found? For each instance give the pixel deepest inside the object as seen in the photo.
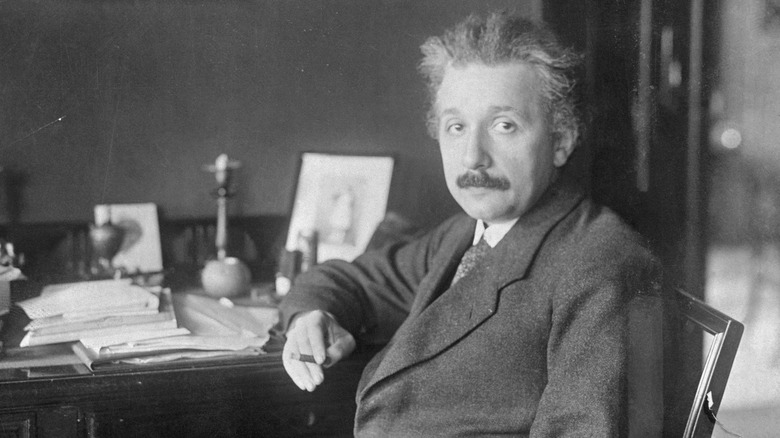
(106, 240)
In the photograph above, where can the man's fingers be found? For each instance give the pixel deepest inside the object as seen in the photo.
(295, 370)
(343, 345)
(314, 335)
(306, 376)
(297, 375)
(315, 372)
(316, 339)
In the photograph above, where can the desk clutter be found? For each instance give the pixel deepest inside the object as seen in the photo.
(110, 323)
(69, 312)
(103, 300)
(111, 310)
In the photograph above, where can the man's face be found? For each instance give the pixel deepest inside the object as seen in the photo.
(497, 148)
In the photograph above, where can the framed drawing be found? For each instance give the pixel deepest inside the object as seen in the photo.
(140, 251)
(341, 197)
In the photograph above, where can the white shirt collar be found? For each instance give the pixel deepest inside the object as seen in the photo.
(493, 233)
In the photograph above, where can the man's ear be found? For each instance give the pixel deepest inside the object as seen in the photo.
(564, 145)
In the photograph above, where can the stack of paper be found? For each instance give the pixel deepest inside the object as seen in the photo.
(115, 322)
(210, 328)
(99, 352)
(69, 312)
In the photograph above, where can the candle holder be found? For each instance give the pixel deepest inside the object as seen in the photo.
(224, 276)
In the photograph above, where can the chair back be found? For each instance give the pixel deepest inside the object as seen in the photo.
(727, 333)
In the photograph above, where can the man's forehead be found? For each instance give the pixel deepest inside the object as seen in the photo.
(512, 87)
(521, 111)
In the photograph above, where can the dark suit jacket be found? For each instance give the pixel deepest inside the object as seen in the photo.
(532, 343)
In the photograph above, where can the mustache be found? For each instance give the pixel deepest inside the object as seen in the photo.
(482, 179)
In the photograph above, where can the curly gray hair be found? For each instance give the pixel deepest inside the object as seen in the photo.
(499, 39)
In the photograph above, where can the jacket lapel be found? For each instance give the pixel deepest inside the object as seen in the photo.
(437, 321)
(444, 265)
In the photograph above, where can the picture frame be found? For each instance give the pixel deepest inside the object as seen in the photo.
(141, 250)
(343, 198)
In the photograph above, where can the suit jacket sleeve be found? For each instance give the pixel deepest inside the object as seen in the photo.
(588, 345)
(371, 296)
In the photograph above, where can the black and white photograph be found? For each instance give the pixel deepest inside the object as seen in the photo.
(390, 218)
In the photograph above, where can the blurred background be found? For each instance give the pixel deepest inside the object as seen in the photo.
(743, 207)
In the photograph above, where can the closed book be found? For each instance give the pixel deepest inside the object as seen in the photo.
(66, 326)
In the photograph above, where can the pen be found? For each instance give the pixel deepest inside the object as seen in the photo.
(307, 358)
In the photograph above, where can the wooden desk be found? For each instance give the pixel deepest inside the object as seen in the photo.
(247, 397)
(47, 392)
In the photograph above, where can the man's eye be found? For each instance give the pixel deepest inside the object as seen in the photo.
(454, 128)
(505, 127)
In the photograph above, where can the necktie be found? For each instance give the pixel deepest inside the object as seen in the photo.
(470, 259)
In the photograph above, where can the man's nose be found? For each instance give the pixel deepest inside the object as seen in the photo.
(476, 150)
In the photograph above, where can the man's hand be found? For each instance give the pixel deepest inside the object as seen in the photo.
(316, 334)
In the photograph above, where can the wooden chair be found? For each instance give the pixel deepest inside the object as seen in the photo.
(727, 333)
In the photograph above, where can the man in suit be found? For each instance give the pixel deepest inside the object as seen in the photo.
(512, 317)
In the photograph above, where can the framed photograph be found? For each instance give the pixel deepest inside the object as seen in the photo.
(140, 251)
(341, 197)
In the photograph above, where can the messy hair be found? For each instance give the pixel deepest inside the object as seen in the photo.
(501, 39)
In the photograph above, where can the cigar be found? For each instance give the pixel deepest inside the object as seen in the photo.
(307, 358)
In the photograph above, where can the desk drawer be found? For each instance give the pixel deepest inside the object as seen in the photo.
(17, 425)
(247, 419)
(57, 421)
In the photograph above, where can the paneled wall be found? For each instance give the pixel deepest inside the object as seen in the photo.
(125, 101)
